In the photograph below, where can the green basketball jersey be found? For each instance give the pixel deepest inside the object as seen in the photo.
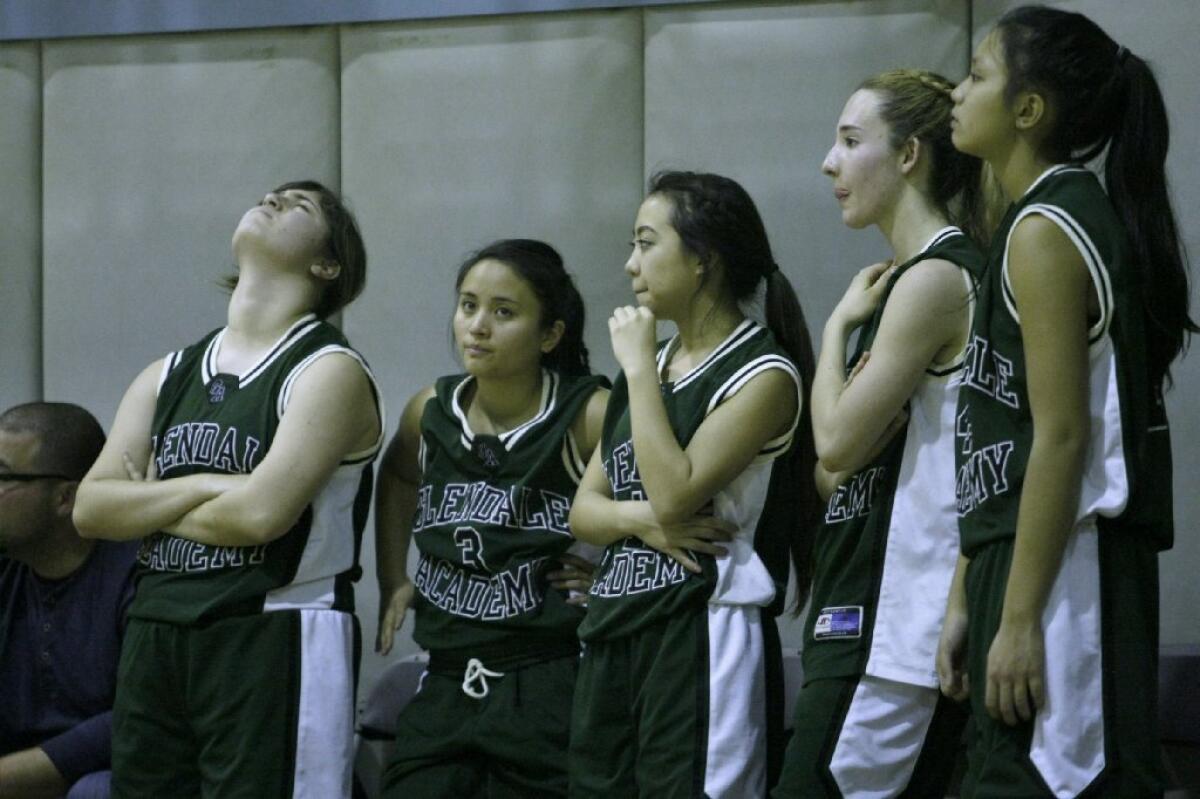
(1127, 473)
(208, 421)
(635, 585)
(887, 548)
(491, 520)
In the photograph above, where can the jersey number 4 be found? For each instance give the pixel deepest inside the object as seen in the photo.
(470, 547)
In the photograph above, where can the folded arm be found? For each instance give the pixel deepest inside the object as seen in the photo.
(109, 503)
(331, 414)
(925, 314)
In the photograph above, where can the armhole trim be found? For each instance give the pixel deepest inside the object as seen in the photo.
(285, 395)
(744, 375)
(169, 363)
(572, 459)
(954, 364)
(1091, 259)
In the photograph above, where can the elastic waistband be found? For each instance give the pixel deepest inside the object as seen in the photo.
(455, 661)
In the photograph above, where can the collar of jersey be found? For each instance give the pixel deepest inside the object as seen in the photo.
(290, 336)
(934, 240)
(509, 438)
(1054, 170)
(747, 330)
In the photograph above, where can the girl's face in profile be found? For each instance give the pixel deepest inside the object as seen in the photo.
(864, 167)
(981, 114)
(662, 272)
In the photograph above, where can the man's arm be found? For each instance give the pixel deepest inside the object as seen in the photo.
(30, 774)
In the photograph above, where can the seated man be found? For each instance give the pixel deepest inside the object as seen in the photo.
(62, 609)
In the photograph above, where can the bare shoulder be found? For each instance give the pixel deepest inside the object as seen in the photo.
(589, 422)
(933, 281)
(1037, 240)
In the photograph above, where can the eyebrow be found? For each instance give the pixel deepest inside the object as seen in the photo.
(844, 128)
(471, 295)
(640, 229)
(299, 196)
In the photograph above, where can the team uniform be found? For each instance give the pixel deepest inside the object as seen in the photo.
(238, 668)
(870, 720)
(1098, 729)
(681, 675)
(493, 712)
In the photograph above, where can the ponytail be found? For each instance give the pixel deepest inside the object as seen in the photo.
(1135, 174)
(785, 319)
(718, 221)
(1103, 95)
(916, 104)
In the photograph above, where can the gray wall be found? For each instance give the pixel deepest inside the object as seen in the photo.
(128, 161)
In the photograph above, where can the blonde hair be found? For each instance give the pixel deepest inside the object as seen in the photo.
(915, 103)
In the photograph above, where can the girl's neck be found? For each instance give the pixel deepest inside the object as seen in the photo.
(701, 331)
(498, 405)
(263, 306)
(1017, 168)
(911, 224)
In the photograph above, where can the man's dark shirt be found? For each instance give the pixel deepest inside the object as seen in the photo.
(59, 645)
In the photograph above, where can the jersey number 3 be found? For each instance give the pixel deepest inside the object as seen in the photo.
(470, 547)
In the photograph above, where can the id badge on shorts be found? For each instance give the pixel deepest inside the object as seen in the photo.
(843, 622)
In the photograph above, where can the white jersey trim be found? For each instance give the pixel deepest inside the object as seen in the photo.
(1083, 243)
(209, 368)
(289, 382)
(509, 438)
(572, 458)
(169, 363)
(745, 331)
(956, 361)
(742, 376)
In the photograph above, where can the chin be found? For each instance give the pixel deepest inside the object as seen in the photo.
(960, 141)
(853, 222)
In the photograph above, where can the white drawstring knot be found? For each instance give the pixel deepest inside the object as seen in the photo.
(476, 673)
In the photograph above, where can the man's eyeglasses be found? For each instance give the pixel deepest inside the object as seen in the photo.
(19, 477)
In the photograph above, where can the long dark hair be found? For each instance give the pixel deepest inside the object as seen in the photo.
(1104, 95)
(915, 103)
(540, 266)
(718, 222)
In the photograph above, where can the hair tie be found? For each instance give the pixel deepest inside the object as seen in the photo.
(1122, 54)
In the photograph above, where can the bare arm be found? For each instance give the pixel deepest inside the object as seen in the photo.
(574, 572)
(395, 504)
(30, 774)
(926, 312)
(952, 644)
(1051, 286)
(678, 481)
(109, 504)
(596, 518)
(589, 424)
(331, 414)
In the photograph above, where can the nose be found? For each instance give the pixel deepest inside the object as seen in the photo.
(477, 324)
(631, 266)
(829, 165)
(957, 94)
(272, 199)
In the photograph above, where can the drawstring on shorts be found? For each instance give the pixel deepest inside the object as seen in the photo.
(476, 673)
